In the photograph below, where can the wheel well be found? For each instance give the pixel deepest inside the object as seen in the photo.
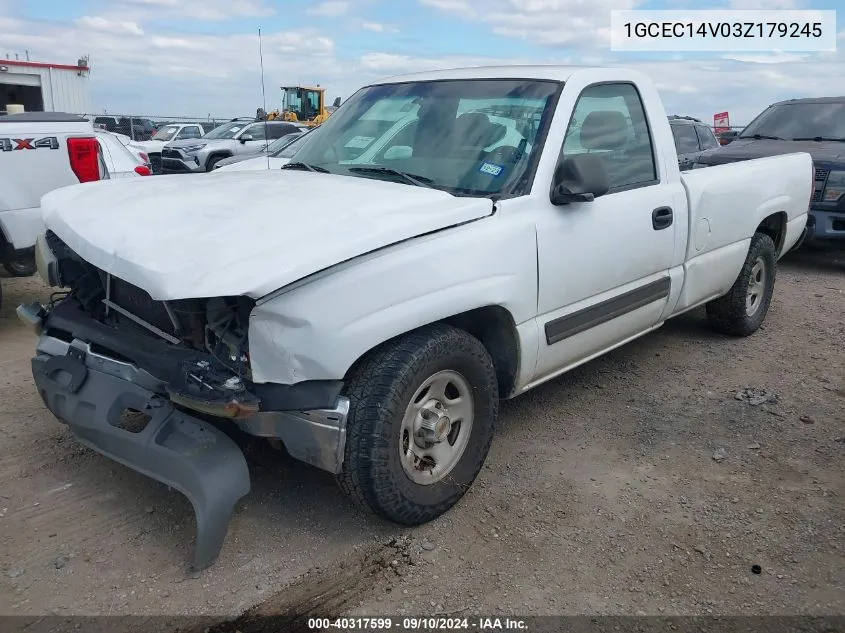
(211, 157)
(495, 328)
(775, 227)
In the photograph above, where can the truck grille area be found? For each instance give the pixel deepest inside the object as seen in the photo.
(202, 324)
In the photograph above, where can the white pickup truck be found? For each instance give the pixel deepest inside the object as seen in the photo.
(39, 151)
(43, 151)
(369, 316)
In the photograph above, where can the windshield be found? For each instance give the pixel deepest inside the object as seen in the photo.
(467, 137)
(799, 120)
(283, 141)
(166, 133)
(227, 130)
(295, 143)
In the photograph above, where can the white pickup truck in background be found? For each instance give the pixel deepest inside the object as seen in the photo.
(39, 152)
(43, 151)
(369, 310)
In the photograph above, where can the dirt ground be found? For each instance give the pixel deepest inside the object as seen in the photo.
(649, 481)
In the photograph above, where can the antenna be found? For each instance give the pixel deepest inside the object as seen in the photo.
(264, 99)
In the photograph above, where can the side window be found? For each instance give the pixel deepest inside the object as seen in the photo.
(256, 131)
(609, 121)
(191, 131)
(278, 131)
(706, 137)
(686, 140)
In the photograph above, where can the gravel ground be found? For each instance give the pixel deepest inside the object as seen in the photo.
(650, 481)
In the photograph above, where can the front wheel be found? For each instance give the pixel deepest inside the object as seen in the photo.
(742, 310)
(20, 267)
(423, 409)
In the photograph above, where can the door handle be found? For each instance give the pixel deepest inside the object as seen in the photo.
(661, 218)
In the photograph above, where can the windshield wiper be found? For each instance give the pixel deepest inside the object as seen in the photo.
(419, 181)
(819, 139)
(759, 136)
(305, 167)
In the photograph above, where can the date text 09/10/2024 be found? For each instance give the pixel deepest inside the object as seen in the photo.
(417, 624)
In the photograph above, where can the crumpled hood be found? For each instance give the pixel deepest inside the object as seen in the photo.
(244, 233)
(746, 149)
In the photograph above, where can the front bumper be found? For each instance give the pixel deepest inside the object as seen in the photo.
(825, 225)
(174, 161)
(90, 390)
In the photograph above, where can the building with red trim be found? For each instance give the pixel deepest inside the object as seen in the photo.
(39, 86)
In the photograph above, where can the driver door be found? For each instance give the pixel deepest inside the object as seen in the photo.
(604, 264)
(254, 145)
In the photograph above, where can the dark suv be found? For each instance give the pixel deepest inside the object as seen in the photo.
(815, 126)
(692, 137)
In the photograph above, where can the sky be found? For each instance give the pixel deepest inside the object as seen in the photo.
(195, 58)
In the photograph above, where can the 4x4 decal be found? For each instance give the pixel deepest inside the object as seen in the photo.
(12, 144)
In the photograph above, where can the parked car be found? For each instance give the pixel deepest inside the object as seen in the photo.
(815, 126)
(39, 152)
(692, 136)
(165, 134)
(369, 316)
(237, 137)
(278, 153)
(138, 129)
(134, 149)
(120, 161)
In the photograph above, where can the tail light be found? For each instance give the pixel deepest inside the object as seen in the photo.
(84, 154)
(144, 157)
(143, 170)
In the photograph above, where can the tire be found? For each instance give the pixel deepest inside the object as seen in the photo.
(20, 267)
(377, 468)
(213, 161)
(742, 310)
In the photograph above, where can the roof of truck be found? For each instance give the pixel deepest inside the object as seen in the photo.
(548, 72)
(42, 117)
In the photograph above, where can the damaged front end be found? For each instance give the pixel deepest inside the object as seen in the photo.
(108, 351)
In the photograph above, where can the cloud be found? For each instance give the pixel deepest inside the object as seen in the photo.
(103, 24)
(378, 27)
(331, 9)
(211, 10)
(583, 23)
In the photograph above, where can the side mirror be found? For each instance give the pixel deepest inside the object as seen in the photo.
(245, 137)
(336, 103)
(399, 152)
(581, 178)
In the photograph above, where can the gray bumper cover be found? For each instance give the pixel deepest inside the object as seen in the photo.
(177, 449)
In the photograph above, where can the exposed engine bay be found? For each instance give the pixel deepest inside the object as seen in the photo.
(209, 336)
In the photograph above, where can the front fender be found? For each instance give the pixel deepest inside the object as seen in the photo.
(317, 329)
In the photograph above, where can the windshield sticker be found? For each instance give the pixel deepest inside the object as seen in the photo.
(360, 142)
(491, 169)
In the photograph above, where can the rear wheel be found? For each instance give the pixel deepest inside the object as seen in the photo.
(742, 310)
(423, 409)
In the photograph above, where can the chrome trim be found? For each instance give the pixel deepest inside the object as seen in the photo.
(52, 346)
(316, 437)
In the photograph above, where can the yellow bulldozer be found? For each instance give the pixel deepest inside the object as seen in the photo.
(303, 104)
